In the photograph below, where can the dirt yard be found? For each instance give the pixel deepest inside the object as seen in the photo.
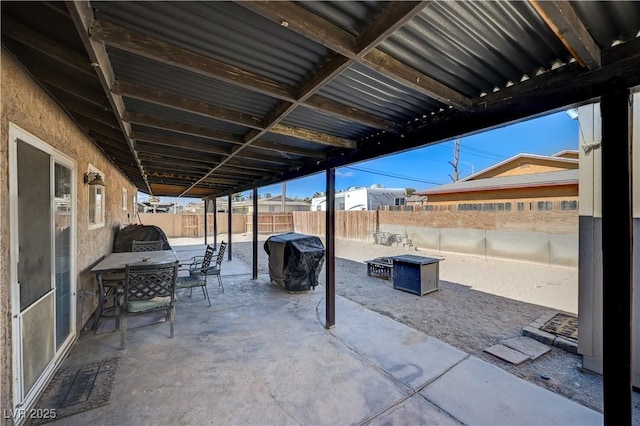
(480, 302)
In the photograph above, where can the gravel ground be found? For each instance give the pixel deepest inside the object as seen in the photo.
(480, 302)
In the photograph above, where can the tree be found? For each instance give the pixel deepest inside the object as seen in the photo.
(410, 191)
(456, 158)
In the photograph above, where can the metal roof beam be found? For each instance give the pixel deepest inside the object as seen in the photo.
(90, 124)
(183, 103)
(30, 38)
(207, 148)
(563, 20)
(82, 16)
(181, 143)
(362, 49)
(148, 47)
(325, 105)
(153, 149)
(313, 136)
(179, 127)
(77, 87)
(268, 145)
(158, 160)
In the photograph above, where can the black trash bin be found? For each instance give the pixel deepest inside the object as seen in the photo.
(295, 260)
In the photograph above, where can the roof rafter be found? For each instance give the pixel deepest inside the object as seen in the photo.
(563, 20)
(46, 46)
(362, 49)
(83, 18)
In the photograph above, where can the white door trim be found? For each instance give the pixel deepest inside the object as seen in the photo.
(20, 400)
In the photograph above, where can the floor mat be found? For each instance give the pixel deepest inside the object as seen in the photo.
(76, 389)
(108, 325)
(562, 325)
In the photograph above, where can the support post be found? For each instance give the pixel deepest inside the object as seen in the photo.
(215, 223)
(230, 230)
(206, 204)
(330, 268)
(255, 233)
(617, 249)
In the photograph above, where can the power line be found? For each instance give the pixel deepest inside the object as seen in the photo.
(376, 172)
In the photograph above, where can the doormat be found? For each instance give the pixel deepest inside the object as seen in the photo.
(562, 325)
(76, 389)
(133, 321)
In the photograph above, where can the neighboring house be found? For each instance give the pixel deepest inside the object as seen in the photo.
(156, 207)
(522, 182)
(363, 198)
(416, 202)
(270, 205)
(245, 205)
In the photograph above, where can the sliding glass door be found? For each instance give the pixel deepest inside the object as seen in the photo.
(42, 253)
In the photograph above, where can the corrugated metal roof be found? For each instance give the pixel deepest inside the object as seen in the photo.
(318, 84)
(350, 16)
(166, 113)
(222, 30)
(476, 46)
(136, 69)
(336, 126)
(609, 21)
(295, 142)
(363, 88)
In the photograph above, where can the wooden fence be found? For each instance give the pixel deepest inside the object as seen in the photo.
(361, 225)
(192, 224)
(352, 225)
(271, 223)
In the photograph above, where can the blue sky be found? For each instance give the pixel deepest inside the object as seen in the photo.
(426, 167)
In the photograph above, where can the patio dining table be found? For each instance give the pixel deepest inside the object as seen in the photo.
(116, 263)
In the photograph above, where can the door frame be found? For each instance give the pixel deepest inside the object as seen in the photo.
(22, 400)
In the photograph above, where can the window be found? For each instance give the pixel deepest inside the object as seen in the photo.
(545, 205)
(96, 202)
(124, 199)
(569, 205)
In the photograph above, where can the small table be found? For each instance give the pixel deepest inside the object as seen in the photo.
(117, 263)
(416, 274)
(381, 267)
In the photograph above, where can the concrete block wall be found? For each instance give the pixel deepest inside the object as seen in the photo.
(552, 249)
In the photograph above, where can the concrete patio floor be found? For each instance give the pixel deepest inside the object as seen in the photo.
(262, 356)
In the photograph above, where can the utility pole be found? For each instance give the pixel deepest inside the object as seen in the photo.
(456, 158)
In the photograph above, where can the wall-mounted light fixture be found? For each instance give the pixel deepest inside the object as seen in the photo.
(93, 178)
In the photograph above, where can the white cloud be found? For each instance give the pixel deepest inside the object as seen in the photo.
(345, 174)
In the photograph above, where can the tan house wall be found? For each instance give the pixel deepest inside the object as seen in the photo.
(527, 166)
(555, 193)
(28, 106)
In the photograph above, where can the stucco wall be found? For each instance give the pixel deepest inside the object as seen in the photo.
(28, 106)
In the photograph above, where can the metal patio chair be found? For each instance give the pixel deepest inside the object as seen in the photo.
(146, 245)
(147, 288)
(200, 269)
